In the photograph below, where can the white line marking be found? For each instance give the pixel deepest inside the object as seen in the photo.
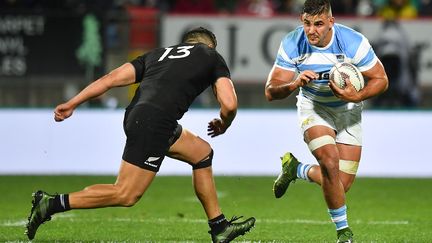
(72, 217)
(16, 223)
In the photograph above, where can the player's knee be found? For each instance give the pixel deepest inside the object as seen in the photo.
(326, 157)
(347, 186)
(128, 200)
(347, 181)
(329, 165)
(206, 162)
(349, 169)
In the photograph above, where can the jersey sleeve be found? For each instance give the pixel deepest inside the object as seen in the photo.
(357, 48)
(365, 57)
(221, 68)
(139, 65)
(283, 57)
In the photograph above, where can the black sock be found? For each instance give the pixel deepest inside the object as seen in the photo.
(61, 203)
(218, 224)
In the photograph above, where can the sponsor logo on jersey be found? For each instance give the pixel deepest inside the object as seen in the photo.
(307, 121)
(324, 75)
(302, 58)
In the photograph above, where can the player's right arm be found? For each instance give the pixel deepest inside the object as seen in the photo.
(281, 82)
(227, 98)
(121, 76)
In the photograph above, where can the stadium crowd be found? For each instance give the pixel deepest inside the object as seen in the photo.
(394, 48)
(405, 9)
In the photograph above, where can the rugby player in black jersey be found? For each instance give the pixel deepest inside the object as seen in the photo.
(170, 79)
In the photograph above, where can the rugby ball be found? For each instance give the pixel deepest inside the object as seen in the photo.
(343, 71)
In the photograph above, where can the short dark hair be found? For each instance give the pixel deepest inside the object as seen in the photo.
(198, 34)
(317, 7)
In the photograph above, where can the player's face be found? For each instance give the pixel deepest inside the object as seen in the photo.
(318, 28)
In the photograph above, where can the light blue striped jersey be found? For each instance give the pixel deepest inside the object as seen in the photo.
(347, 45)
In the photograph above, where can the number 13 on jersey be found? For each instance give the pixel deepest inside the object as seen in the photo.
(179, 52)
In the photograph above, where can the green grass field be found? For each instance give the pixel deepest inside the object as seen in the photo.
(379, 210)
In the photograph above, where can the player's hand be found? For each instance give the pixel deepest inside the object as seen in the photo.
(216, 127)
(305, 77)
(62, 112)
(349, 93)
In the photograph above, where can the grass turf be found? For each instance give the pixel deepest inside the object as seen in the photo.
(379, 210)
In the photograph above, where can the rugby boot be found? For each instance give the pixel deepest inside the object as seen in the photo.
(233, 230)
(287, 175)
(41, 211)
(345, 236)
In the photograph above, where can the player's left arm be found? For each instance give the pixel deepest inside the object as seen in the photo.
(377, 81)
(377, 84)
(227, 98)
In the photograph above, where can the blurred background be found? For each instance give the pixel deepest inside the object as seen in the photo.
(51, 49)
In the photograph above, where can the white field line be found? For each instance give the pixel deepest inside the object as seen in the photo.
(13, 223)
(72, 217)
(23, 222)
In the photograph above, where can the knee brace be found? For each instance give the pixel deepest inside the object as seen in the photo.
(320, 141)
(207, 162)
(348, 166)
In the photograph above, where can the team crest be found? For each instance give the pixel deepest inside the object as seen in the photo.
(340, 57)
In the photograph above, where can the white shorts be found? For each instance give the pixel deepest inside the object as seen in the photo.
(344, 120)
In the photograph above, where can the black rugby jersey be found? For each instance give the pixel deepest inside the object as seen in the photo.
(172, 77)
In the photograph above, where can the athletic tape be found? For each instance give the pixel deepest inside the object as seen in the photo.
(207, 162)
(320, 141)
(348, 166)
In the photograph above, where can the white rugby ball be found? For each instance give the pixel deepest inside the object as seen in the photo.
(343, 71)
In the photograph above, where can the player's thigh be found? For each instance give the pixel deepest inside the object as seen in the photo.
(321, 142)
(189, 147)
(133, 180)
(349, 152)
(318, 131)
(315, 119)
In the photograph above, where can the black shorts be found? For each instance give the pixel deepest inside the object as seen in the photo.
(149, 135)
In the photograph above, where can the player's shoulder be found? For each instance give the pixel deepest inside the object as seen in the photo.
(205, 48)
(200, 49)
(348, 34)
(294, 41)
(210, 52)
(294, 36)
(152, 54)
